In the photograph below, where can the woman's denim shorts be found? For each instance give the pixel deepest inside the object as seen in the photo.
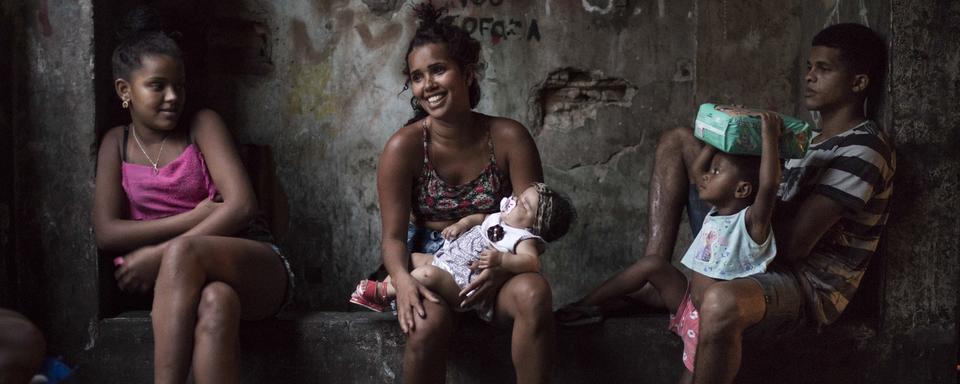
(423, 240)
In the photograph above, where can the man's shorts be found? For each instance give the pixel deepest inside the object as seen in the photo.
(785, 307)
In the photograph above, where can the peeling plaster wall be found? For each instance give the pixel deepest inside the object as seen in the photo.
(923, 240)
(53, 171)
(595, 81)
(331, 100)
(7, 262)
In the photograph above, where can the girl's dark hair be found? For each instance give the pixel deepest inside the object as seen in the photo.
(141, 33)
(433, 28)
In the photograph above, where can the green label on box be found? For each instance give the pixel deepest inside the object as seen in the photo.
(737, 131)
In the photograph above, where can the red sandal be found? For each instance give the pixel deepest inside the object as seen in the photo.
(372, 295)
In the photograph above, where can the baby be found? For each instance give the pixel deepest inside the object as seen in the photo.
(512, 239)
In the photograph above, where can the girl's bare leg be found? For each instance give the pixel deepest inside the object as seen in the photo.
(21, 348)
(250, 269)
(216, 354)
(728, 308)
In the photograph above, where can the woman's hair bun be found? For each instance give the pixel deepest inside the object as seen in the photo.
(428, 15)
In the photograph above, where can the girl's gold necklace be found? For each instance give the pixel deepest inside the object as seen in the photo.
(156, 170)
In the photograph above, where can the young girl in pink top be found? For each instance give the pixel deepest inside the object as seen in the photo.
(172, 196)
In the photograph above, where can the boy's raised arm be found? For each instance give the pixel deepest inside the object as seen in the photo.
(759, 215)
(702, 163)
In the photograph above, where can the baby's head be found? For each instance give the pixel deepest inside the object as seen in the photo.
(730, 178)
(545, 211)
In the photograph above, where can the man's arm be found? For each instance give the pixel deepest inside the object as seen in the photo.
(797, 234)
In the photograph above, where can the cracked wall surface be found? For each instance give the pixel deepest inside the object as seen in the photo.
(8, 286)
(52, 175)
(331, 98)
(595, 81)
(569, 100)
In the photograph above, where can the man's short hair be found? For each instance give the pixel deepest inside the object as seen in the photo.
(861, 49)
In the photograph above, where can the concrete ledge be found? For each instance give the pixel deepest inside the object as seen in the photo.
(364, 347)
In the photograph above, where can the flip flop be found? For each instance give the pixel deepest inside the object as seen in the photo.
(572, 315)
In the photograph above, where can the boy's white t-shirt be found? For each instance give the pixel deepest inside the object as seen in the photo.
(724, 249)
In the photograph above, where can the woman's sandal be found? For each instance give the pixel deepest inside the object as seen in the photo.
(372, 295)
(572, 315)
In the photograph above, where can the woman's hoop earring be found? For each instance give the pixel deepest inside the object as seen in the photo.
(415, 104)
(125, 104)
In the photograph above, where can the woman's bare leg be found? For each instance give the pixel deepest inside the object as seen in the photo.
(189, 264)
(425, 355)
(527, 301)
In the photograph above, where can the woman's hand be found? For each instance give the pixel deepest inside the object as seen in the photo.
(137, 271)
(485, 286)
(490, 258)
(454, 230)
(409, 301)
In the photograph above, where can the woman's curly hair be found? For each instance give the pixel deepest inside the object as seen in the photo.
(434, 28)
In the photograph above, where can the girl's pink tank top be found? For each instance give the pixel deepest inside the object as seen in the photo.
(178, 187)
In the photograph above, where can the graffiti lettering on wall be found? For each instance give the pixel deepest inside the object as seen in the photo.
(497, 29)
(495, 3)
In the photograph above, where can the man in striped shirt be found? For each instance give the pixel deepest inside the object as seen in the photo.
(834, 207)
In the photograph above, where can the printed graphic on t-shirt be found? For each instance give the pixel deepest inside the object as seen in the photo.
(707, 249)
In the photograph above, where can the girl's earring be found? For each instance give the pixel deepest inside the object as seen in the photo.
(125, 104)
